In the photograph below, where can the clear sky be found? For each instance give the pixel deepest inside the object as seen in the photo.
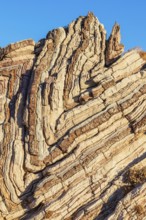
(34, 18)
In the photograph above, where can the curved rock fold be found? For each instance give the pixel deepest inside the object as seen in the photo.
(73, 126)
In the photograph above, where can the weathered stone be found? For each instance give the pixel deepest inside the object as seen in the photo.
(73, 126)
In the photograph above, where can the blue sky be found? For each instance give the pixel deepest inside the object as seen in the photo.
(34, 18)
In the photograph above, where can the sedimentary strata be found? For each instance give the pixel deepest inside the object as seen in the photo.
(73, 126)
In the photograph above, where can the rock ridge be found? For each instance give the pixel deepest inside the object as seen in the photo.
(73, 126)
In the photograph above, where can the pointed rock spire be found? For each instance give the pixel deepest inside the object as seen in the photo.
(113, 47)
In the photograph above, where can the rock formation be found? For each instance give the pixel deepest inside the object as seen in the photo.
(73, 126)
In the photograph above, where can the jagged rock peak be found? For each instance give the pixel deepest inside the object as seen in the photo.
(113, 48)
(73, 126)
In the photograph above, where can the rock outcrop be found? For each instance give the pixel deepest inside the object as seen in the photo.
(73, 126)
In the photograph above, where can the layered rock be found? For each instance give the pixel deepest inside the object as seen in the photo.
(73, 123)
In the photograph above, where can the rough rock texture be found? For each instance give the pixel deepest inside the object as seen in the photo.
(73, 126)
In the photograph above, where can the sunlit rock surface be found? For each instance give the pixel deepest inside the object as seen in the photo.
(72, 126)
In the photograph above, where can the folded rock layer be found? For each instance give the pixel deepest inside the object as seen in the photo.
(73, 126)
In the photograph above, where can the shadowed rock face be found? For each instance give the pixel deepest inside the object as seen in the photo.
(72, 126)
